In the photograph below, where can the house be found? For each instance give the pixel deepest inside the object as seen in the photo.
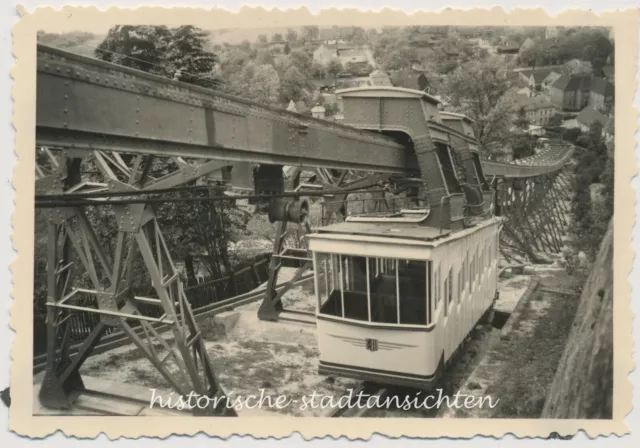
(570, 93)
(578, 67)
(550, 79)
(535, 131)
(538, 109)
(509, 50)
(528, 44)
(588, 116)
(551, 32)
(525, 91)
(535, 77)
(325, 53)
(552, 53)
(332, 36)
(352, 55)
(601, 95)
(379, 78)
(451, 52)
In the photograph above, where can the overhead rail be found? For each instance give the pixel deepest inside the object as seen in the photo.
(86, 104)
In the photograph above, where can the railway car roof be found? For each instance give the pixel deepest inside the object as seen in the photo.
(402, 233)
(389, 230)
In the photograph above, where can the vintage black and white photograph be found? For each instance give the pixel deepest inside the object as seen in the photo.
(324, 221)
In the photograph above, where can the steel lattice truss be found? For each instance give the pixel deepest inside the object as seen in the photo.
(181, 359)
(536, 212)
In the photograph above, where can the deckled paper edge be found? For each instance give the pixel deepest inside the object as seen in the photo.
(24, 35)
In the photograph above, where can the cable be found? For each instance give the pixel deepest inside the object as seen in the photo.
(61, 201)
(192, 188)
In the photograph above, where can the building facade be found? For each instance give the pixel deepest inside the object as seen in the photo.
(538, 109)
(601, 95)
(570, 93)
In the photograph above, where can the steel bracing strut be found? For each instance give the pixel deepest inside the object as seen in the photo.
(181, 356)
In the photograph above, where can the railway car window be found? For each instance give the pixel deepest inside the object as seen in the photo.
(462, 281)
(356, 286)
(328, 285)
(383, 291)
(475, 266)
(412, 292)
(450, 291)
(430, 306)
(446, 295)
(436, 285)
(487, 251)
(469, 272)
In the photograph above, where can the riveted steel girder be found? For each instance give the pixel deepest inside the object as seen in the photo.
(88, 104)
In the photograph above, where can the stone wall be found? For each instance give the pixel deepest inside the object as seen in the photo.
(583, 384)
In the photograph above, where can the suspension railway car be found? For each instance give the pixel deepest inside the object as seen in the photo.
(396, 298)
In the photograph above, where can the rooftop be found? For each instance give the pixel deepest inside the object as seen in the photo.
(589, 115)
(566, 82)
(539, 74)
(601, 86)
(532, 103)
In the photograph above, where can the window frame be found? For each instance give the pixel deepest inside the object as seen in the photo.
(343, 272)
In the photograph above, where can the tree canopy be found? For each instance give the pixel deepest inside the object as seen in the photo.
(177, 53)
(478, 90)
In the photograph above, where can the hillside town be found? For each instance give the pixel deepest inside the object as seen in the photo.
(466, 165)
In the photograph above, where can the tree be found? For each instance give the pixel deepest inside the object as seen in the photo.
(555, 121)
(292, 85)
(311, 32)
(137, 46)
(521, 121)
(532, 55)
(193, 230)
(303, 61)
(292, 37)
(186, 52)
(359, 36)
(176, 53)
(286, 49)
(522, 147)
(265, 84)
(318, 70)
(396, 57)
(352, 68)
(277, 38)
(264, 57)
(334, 67)
(262, 38)
(478, 89)
(571, 135)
